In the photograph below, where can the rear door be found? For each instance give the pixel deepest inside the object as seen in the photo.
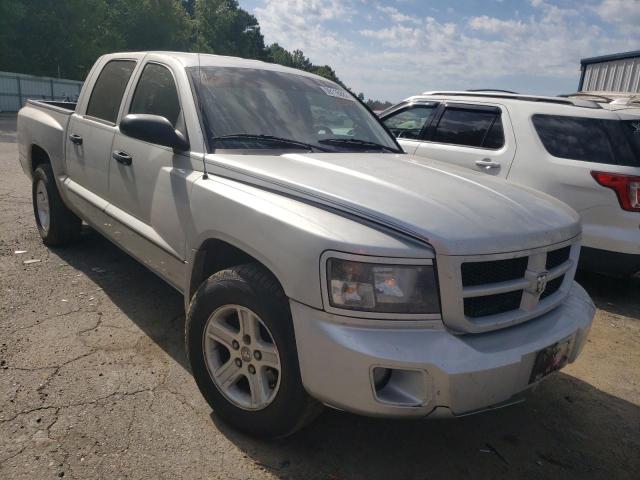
(409, 123)
(91, 129)
(473, 136)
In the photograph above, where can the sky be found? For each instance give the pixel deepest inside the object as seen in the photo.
(390, 50)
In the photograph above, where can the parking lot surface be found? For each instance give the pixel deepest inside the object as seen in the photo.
(94, 383)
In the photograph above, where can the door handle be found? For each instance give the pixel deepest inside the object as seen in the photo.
(75, 138)
(122, 157)
(487, 164)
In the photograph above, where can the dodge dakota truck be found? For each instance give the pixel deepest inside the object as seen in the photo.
(320, 265)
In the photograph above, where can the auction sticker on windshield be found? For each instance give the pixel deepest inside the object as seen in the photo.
(336, 92)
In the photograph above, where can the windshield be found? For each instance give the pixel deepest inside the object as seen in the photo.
(248, 108)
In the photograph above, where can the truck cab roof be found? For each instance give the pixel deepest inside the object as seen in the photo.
(188, 59)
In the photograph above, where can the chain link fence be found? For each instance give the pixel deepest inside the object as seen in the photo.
(17, 88)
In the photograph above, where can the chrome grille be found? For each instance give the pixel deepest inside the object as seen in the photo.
(496, 291)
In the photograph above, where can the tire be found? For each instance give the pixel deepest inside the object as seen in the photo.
(59, 226)
(248, 289)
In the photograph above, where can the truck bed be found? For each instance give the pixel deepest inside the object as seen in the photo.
(43, 123)
(71, 106)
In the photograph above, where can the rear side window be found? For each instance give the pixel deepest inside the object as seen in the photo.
(106, 96)
(156, 94)
(410, 122)
(470, 127)
(613, 142)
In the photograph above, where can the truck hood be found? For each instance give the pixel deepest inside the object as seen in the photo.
(457, 211)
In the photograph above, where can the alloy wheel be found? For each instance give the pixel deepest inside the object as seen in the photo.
(242, 357)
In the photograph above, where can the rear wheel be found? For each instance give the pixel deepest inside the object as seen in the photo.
(243, 354)
(56, 224)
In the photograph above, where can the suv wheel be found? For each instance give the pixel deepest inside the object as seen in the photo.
(242, 350)
(56, 224)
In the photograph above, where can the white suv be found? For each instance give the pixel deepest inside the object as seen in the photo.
(580, 151)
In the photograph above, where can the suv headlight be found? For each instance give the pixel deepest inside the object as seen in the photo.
(382, 288)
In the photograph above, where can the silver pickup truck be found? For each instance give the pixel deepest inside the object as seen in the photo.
(319, 264)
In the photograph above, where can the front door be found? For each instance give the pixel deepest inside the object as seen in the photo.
(473, 136)
(147, 182)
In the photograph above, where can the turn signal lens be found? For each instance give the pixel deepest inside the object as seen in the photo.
(627, 188)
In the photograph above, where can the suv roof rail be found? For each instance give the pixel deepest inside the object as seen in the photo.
(576, 102)
(490, 90)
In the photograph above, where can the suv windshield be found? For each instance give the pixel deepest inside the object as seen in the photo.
(247, 109)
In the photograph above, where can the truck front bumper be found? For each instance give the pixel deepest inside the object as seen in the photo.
(341, 363)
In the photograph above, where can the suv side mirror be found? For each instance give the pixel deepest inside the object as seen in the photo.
(153, 129)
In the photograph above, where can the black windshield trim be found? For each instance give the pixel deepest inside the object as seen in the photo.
(268, 138)
(356, 142)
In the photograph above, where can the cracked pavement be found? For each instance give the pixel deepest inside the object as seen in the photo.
(94, 383)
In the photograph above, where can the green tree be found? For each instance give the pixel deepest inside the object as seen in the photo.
(149, 25)
(226, 29)
(327, 72)
(276, 54)
(378, 104)
(300, 61)
(11, 16)
(190, 7)
(44, 37)
(51, 37)
(47, 37)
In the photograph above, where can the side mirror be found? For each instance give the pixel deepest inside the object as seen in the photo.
(153, 129)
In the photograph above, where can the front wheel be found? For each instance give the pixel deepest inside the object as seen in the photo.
(242, 350)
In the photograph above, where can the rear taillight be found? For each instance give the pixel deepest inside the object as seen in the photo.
(627, 187)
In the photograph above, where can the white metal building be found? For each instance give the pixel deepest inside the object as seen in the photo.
(619, 72)
(17, 88)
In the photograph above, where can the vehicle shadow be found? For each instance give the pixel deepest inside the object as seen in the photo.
(614, 295)
(566, 429)
(146, 299)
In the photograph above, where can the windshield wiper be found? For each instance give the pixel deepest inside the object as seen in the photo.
(268, 138)
(357, 143)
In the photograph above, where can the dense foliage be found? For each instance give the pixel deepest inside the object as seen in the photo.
(63, 38)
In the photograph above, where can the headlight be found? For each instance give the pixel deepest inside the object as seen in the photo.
(382, 288)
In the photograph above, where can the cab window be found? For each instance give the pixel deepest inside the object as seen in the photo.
(156, 94)
(106, 96)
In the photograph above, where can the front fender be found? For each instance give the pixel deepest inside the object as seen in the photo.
(287, 235)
